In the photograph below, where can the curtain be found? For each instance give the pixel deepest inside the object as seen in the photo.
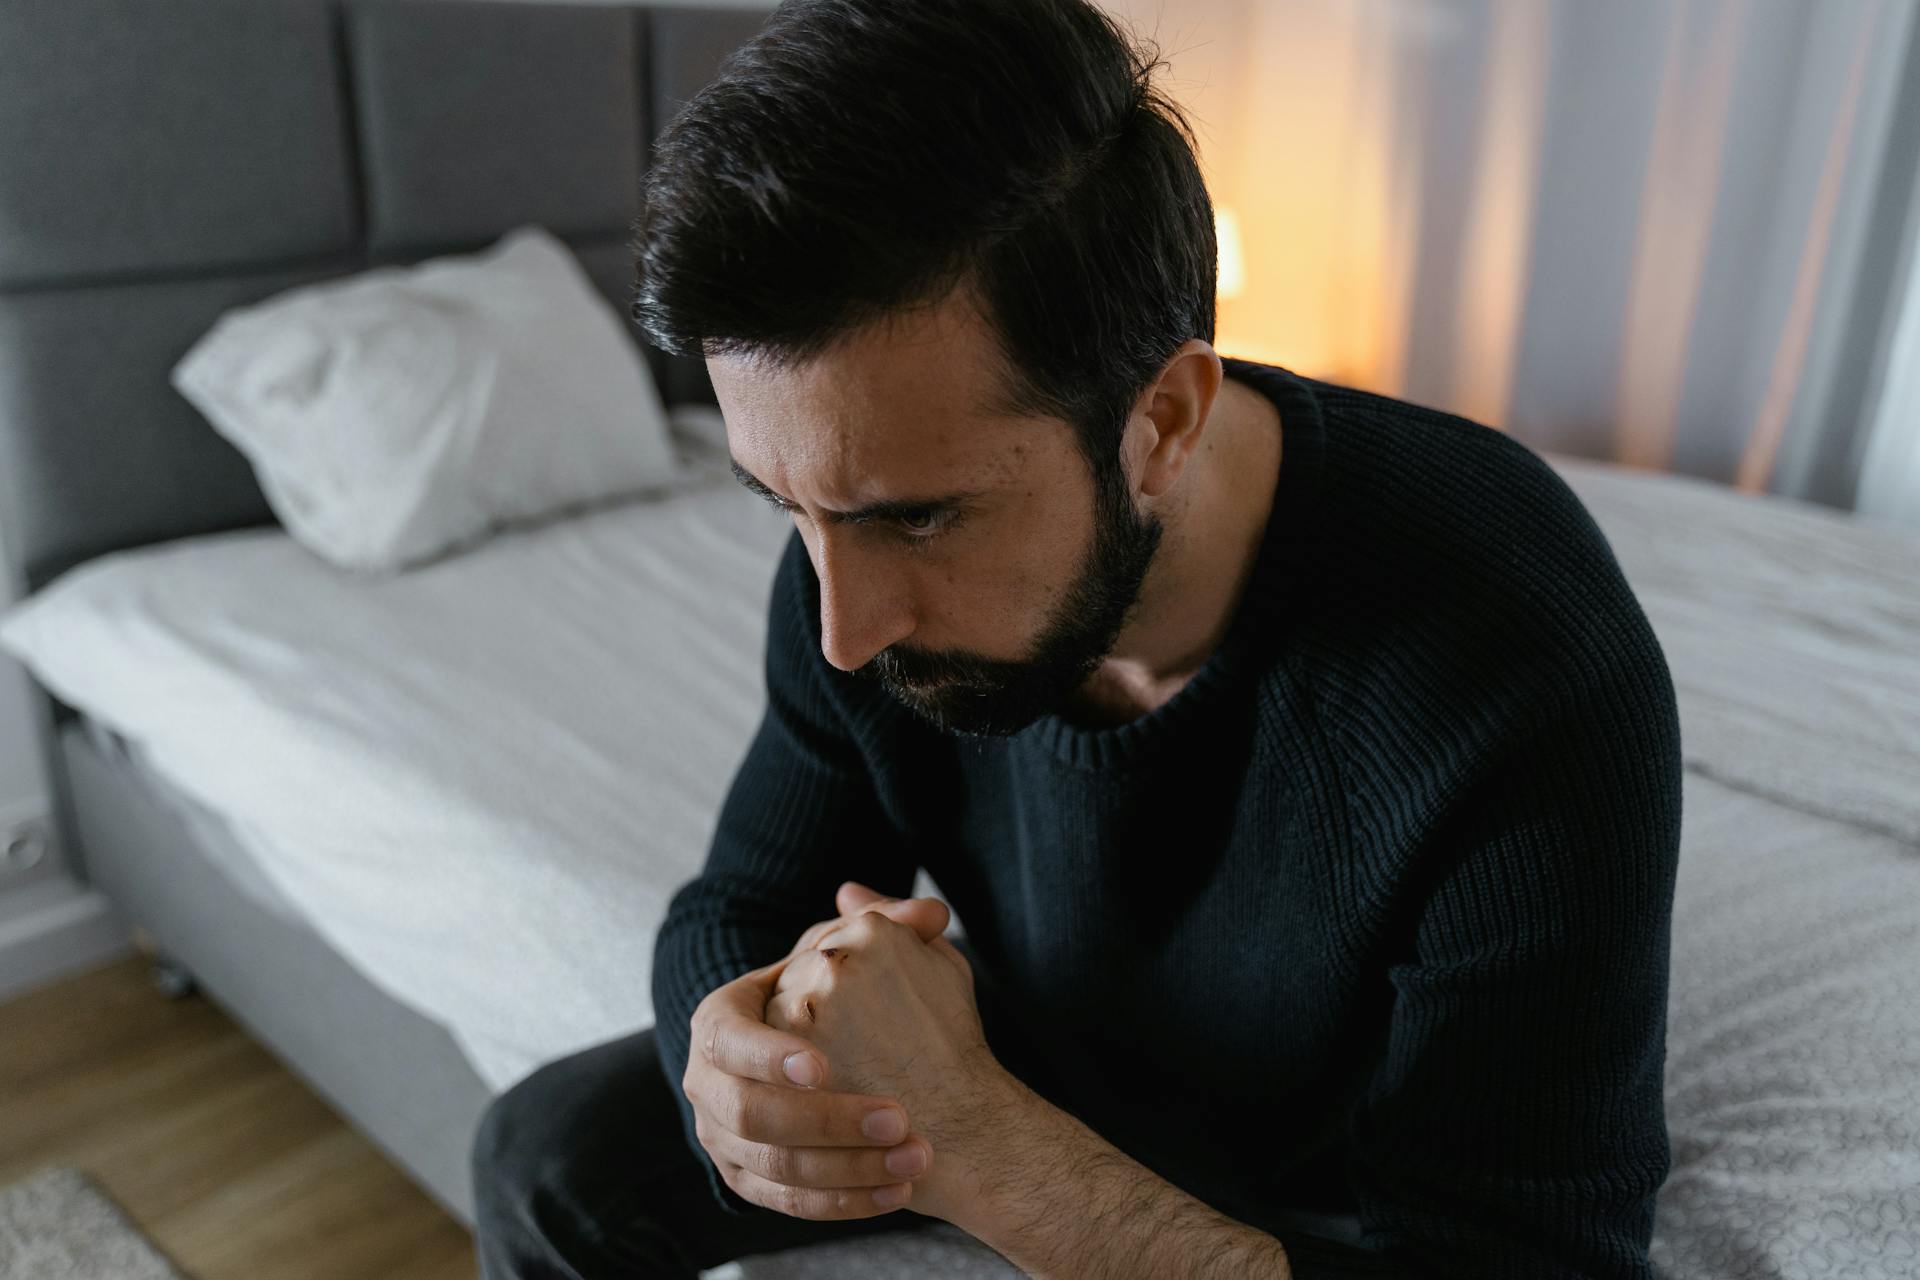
(1661, 233)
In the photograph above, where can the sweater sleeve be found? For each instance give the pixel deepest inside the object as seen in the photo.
(801, 816)
(1515, 1124)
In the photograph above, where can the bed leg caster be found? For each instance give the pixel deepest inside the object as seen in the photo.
(173, 978)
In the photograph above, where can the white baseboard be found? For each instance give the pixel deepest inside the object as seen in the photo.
(54, 929)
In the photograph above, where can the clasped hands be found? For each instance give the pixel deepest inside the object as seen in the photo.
(795, 1065)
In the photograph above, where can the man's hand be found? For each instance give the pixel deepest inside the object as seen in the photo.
(779, 1139)
(895, 1012)
(928, 916)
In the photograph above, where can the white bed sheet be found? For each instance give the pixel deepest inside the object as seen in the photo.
(482, 780)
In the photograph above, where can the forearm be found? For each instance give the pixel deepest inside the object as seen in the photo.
(1062, 1203)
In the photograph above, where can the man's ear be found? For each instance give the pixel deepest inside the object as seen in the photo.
(1173, 409)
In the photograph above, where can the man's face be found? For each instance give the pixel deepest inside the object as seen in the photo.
(967, 560)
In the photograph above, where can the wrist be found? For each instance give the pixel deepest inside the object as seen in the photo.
(1010, 1119)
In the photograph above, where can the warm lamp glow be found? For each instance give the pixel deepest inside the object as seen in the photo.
(1233, 269)
(1327, 238)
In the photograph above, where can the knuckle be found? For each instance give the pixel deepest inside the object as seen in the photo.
(730, 1110)
(755, 1117)
(777, 1164)
(873, 1168)
(845, 1120)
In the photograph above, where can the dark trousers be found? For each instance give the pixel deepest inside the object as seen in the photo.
(581, 1170)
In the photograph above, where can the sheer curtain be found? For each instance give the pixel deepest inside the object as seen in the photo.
(1669, 234)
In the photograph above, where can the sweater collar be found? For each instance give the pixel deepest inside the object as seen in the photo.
(1262, 611)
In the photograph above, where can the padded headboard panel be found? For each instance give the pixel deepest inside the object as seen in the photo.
(163, 160)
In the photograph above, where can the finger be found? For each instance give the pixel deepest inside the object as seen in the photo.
(929, 922)
(767, 975)
(918, 912)
(855, 892)
(792, 1011)
(811, 939)
(813, 935)
(817, 1203)
(731, 1034)
(827, 1166)
(784, 1117)
(854, 897)
(928, 916)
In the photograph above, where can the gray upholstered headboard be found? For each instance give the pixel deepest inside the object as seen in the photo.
(163, 160)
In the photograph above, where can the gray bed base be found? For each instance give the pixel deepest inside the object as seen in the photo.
(163, 160)
(398, 1077)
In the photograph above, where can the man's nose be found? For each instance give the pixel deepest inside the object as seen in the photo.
(863, 605)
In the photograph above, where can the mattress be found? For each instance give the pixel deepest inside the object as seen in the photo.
(213, 834)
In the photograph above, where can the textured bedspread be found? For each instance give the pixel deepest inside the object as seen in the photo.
(1793, 634)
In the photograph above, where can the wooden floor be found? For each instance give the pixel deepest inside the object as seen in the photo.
(228, 1162)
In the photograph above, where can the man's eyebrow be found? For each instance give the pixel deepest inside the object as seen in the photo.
(891, 509)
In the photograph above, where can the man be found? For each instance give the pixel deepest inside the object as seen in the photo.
(1301, 768)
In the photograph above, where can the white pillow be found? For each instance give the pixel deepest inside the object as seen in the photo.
(407, 411)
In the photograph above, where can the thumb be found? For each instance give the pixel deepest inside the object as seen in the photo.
(854, 897)
(926, 916)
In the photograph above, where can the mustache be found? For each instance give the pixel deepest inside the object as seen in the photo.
(910, 667)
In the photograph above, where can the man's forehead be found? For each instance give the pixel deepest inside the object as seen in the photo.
(869, 419)
(941, 360)
(846, 399)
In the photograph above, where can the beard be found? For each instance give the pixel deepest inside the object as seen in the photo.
(985, 697)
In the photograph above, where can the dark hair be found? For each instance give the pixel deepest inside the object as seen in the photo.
(856, 158)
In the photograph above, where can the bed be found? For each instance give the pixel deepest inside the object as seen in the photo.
(416, 837)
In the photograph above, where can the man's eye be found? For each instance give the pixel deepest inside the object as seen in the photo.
(924, 528)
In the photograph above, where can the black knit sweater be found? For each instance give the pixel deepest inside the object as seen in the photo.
(1375, 910)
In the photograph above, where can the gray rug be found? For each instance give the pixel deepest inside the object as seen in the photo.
(57, 1224)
